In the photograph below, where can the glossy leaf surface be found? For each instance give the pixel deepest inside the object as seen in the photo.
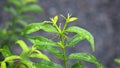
(85, 57)
(74, 40)
(83, 34)
(39, 26)
(47, 64)
(40, 40)
(24, 47)
(10, 58)
(39, 54)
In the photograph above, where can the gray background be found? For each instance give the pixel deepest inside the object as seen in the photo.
(100, 17)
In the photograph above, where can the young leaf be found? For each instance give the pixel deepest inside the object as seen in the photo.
(83, 33)
(39, 26)
(54, 20)
(39, 54)
(85, 57)
(3, 65)
(77, 65)
(74, 40)
(40, 40)
(72, 19)
(24, 47)
(33, 8)
(10, 58)
(47, 64)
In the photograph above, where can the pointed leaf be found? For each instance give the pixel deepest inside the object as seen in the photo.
(39, 26)
(43, 43)
(11, 10)
(74, 40)
(83, 33)
(6, 51)
(55, 19)
(77, 65)
(85, 57)
(24, 47)
(3, 65)
(56, 52)
(33, 8)
(40, 40)
(72, 19)
(39, 54)
(47, 64)
(10, 58)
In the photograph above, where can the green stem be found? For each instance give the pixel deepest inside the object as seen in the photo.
(65, 58)
(58, 29)
(64, 27)
(61, 32)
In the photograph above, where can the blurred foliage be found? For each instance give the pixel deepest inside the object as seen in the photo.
(17, 9)
(117, 60)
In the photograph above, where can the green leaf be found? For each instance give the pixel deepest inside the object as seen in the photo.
(72, 19)
(43, 43)
(40, 40)
(3, 65)
(6, 51)
(30, 64)
(28, 1)
(117, 60)
(24, 47)
(10, 58)
(54, 20)
(23, 23)
(86, 57)
(47, 64)
(74, 40)
(83, 34)
(56, 52)
(40, 55)
(11, 10)
(77, 65)
(15, 2)
(31, 8)
(1, 50)
(50, 49)
(39, 26)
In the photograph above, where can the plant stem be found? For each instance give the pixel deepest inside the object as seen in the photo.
(64, 27)
(64, 51)
(65, 58)
(61, 32)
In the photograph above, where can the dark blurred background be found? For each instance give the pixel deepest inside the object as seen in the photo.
(100, 17)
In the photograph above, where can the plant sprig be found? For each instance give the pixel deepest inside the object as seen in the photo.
(43, 43)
